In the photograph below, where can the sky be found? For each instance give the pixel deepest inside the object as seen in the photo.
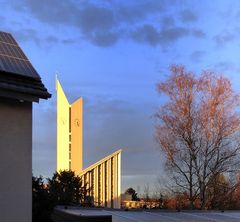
(113, 53)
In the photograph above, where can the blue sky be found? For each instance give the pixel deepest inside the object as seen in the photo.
(112, 53)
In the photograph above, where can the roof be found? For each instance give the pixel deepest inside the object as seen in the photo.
(101, 161)
(18, 78)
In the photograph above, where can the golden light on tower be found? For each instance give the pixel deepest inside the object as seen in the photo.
(104, 177)
(69, 132)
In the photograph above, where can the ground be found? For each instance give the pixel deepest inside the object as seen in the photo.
(162, 216)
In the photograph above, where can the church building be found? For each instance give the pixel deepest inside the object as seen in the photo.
(103, 178)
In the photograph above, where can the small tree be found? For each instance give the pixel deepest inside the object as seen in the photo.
(66, 188)
(234, 196)
(133, 193)
(218, 192)
(41, 203)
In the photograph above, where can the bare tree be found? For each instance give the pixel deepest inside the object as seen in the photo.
(161, 191)
(198, 129)
(146, 192)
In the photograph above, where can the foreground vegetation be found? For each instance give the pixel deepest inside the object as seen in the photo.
(64, 188)
(220, 196)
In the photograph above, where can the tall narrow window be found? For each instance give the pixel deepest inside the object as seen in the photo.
(99, 185)
(92, 183)
(70, 119)
(70, 151)
(112, 181)
(106, 183)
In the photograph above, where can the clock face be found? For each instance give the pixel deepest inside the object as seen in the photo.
(62, 121)
(77, 122)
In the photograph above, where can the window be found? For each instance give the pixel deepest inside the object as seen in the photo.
(70, 113)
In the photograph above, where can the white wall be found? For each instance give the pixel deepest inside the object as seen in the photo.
(15, 161)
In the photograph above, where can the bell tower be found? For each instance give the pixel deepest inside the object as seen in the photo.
(69, 132)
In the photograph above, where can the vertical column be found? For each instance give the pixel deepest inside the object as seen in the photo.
(88, 183)
(92, 183)
(99, 177)
(96, 185)
(112, 183)
(118, 181)
(115, 181)
(102, 184)
(105, 184)
(109, 190)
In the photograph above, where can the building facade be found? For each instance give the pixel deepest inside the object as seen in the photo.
(20, 86)
(102, 178)
(69, 133)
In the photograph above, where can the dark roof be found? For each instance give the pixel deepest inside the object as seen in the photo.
(18, 78)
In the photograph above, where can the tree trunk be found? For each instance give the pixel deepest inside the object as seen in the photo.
(191, 199)
(203, 196)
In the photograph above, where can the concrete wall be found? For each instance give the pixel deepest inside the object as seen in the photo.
(62, 129)
(76, 136)
(69, 134)
(106, 183)
(15, 161)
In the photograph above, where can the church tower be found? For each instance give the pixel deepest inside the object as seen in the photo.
(103, 178)
(69, 132)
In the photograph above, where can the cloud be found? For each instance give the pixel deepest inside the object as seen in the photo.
(52, 11)
(197, 55)
(44, 139)
(52, 39)
(105, 23)
(173, 34)
(104, 39)
(114, 124)
(167, 21)
(198, 33)
(138, 11)
(93, 18)
(27, 34)
(107, 106)
(96, 23)
(146, 34)
(188, 16)
(150, 35)
(224, 37)
(69, 41)
(2, 19)
(225, 66)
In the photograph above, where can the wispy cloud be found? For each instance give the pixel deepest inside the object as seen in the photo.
(197, 55)
(225, 66)
(188, 16)
(224, 38)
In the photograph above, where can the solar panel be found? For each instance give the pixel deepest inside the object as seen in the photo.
(12, 58)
